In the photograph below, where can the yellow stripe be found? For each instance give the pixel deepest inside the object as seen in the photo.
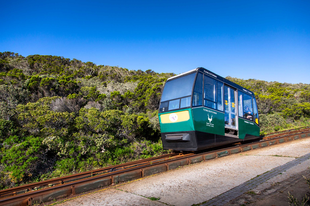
(174, 117)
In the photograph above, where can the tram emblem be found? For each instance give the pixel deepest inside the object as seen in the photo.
(209, 124)
(173, 117)
(210, 119)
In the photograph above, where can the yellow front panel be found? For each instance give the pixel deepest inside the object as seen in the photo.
(174, 117)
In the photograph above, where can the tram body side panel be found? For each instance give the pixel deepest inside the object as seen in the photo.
(209, 125)
(177, 130)
(208, 120)
(248, 128)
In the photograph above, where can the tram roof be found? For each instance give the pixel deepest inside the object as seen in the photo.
(214, 76)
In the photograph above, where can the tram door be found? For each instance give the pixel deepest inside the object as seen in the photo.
(230, 108)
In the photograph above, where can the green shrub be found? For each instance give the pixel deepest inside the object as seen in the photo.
(21, 158)
(296, 111)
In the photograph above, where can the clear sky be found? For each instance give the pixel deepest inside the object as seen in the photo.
(266, 40)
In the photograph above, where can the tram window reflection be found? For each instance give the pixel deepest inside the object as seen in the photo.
(220, 96)
(247, 107)
(174, 104)
(226, 99)
(232, 100)
(179, 87)
(163, 107)
(226, 118)
(240, 102)
(197, 96)
(233, 120)
(209, 89)
(255, 112)
(186, 102)
(210, 104)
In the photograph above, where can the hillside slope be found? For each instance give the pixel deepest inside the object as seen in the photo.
(61, 116)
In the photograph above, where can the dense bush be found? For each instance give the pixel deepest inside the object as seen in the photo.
(61, 116)
(298, 110)
(21, 157)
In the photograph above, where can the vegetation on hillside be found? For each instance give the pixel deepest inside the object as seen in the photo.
(61, 116)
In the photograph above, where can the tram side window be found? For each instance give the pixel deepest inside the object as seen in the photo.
(197, 96)
(240, 102)
(220, 101)
(255, 112)
(247, 107)
(210, 92)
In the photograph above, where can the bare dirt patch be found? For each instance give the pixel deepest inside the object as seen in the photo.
(277, 193)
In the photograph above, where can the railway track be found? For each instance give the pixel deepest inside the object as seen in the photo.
(78, 183)
(285, 132)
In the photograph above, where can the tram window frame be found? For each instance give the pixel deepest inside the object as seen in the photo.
(255, 112)
(181, 83)
(220, 104)
(242, 112)
(240, 104)
(198, 91)
(167, 105)
(183, 101)
(175, 105)
(164, 106)
(210, 92)
(188, 103)
(198, 97)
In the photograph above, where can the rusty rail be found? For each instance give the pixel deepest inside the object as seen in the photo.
(75, 184)
(285, 132)
(61, 180)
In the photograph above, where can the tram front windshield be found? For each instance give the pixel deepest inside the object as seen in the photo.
(177, 93)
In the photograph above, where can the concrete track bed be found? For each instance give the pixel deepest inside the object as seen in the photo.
(206, 182)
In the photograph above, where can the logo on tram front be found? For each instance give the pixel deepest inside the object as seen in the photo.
(173, 117)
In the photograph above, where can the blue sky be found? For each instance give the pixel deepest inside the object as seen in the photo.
(266, 40)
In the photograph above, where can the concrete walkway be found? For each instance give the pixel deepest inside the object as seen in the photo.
(214, 182)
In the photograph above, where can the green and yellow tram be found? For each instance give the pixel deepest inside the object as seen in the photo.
(200, 109)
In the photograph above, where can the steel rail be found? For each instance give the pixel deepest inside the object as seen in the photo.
(137, 171)
(20, 198)
(62, 180)
(290, 131)
(69, 178)
(80, 176)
